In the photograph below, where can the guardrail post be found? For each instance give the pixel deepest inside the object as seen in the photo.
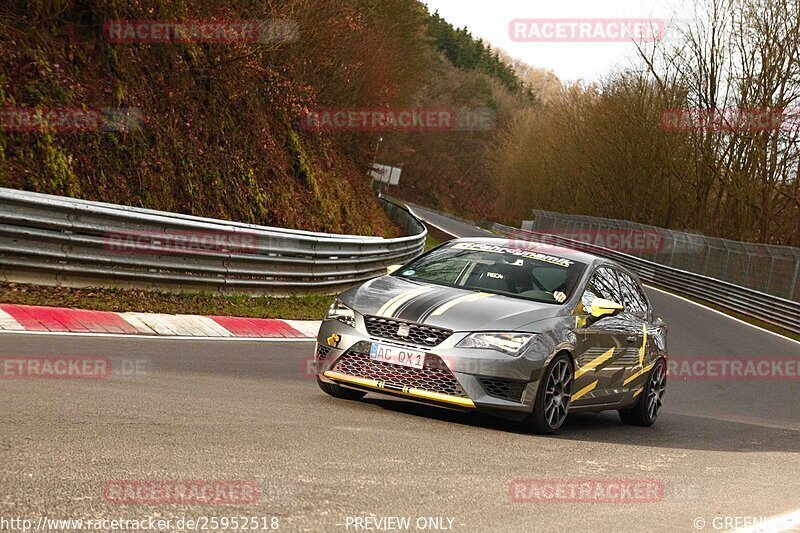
(727, 260)
(708, 256)
(672, 253)
(769, 274)
(746, 270)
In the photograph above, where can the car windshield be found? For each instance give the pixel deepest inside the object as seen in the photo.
(522, 272)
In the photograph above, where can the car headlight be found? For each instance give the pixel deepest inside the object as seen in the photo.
(342, 313)
(508, 343)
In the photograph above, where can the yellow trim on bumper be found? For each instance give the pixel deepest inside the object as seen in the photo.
(408, 391)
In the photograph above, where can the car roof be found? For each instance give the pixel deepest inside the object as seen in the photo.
(560, 251)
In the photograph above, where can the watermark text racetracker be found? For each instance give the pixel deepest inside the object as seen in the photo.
(70, 119)
(594, 30)
(615, 491)
(72, 367)
(183, 242)
(200, 31)
(187, 492)
(629, 241)
(431, 119)
(734, 368)
(729, 120)
(586, 491)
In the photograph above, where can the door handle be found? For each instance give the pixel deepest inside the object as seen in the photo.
(632, 338)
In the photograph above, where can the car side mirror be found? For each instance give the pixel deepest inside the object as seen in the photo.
(602, 308)
(391, 268)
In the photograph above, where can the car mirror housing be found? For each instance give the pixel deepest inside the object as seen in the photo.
(601, 308)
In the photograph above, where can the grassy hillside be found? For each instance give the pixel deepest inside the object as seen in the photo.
(220, 132)
(218, 135)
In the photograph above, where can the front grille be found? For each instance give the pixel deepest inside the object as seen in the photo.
(505, 389)
(434, 377)
(322, 352)
(386, 328)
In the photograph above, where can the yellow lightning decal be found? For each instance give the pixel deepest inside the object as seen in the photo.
(463, 299)
(580, 316)
(644, 345)
(591, 365)
(638, 392)
(584, 391)
(642, 369)
(394, 304)
(645, 370)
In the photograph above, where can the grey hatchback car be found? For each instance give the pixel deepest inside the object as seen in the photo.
(523, 331)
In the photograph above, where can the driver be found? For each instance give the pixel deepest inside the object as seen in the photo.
(560, 293)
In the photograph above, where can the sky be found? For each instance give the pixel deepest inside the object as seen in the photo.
(588, 61)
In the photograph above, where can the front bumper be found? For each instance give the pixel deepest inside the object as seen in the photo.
(456, 378)
(413, 392)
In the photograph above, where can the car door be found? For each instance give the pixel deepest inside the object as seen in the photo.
(600, 342)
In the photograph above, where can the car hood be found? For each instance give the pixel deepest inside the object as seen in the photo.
(445, 307)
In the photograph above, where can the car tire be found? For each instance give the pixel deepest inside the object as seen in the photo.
(340, 392)
(642, 414)
(558, 378)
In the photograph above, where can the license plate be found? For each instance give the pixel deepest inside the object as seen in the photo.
(397, 356)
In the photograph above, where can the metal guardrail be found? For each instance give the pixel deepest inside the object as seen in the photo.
(65, 241)
(771, 309)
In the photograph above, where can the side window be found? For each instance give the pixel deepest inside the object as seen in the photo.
(603, 284)
(635, 301)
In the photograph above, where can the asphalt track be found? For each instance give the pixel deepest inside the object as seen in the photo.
(213, 410)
